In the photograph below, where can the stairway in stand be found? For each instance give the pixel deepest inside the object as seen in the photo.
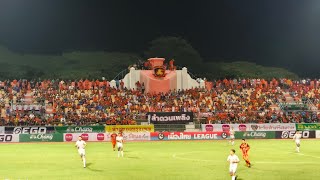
(289, 98)
(275, 107)
(28, 97)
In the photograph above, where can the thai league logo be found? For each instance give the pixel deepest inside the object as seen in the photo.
(160, 136)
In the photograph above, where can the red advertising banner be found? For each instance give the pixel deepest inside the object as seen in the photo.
(155, 136)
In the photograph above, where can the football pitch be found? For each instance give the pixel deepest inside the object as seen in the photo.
(179, 160)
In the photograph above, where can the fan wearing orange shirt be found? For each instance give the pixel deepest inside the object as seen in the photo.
(113, 140)
(245, 149)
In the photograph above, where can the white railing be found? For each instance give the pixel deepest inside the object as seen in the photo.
(311, 105)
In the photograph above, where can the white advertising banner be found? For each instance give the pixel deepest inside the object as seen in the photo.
(136, 136)
(249, 127)
(7, 138)
(318, 134)
(132, 136)
(127, 136)
(2, 130)
(72, 137)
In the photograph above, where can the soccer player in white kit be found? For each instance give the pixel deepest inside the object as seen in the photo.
(81, 145)
(231, 136)
(233, 160)
(119, 140)
(297, 138)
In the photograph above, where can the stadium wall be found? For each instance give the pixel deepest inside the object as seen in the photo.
(71, 133)
(146, 132)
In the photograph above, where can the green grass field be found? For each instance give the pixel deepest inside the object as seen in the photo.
(203, 160)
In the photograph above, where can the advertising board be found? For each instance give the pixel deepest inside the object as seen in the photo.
(132, 136)
(170, 117)
(318, 134)
(127, 136)
(249, 127)
(188, 135)
(29, 130)
(80, 129)
(2, 130)
(130, 128)
(41, 137)
(308, 126)
(72, 137)
(290, 134)
(7, 138)
(255, 135)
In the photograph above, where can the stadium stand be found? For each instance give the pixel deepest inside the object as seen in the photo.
(57, 102)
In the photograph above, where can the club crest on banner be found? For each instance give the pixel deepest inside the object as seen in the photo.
(159, 71)
(254, 127)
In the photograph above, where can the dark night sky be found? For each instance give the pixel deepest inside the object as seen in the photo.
(269, 32)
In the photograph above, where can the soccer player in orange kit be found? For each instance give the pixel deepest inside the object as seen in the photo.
(245, 149)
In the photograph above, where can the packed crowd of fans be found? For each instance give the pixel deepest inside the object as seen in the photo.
(57, 102)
